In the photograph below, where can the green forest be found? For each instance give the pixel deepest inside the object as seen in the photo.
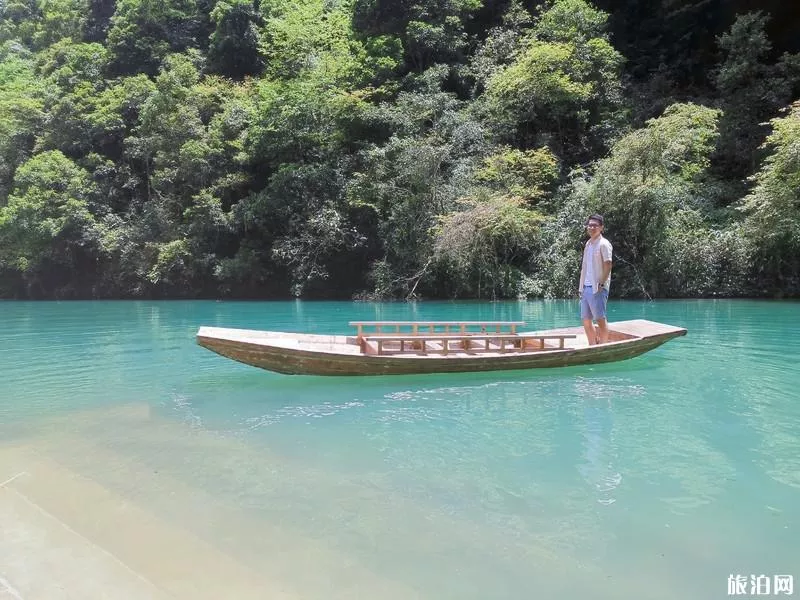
(397, 149)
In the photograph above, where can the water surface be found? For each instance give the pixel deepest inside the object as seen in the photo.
(656, 477)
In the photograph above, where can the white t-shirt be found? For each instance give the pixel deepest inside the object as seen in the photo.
(590, 278)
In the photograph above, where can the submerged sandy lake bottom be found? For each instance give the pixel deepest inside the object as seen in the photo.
(134, 464)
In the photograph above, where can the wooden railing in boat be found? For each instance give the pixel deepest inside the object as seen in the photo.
(415, 328)
(401, 344)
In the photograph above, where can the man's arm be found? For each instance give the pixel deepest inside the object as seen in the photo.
(606, 272)
(606, 251)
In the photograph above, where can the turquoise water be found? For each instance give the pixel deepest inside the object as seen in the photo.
(656, 477)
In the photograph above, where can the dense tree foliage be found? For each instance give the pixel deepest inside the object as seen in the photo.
(396, 149)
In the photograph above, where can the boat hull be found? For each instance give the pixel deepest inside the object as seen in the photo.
(308, 354)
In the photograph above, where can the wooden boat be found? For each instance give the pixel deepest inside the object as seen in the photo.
(415, 347)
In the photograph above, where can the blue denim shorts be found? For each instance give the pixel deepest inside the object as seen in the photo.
(593, 306)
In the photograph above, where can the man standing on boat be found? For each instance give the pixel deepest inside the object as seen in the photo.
(595, 281)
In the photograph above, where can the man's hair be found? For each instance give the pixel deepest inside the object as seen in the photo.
(595, 217)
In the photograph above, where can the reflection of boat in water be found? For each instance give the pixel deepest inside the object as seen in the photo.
(415, 347)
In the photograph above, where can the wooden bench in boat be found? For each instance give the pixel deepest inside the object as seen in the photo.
(416, 328)
(549, 336)
(465, 343)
